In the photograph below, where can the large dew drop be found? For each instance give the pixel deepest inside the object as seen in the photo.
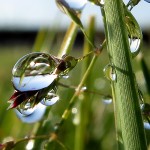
(50, 99)
(77, 5)
(110, 72)
(34, 71)
(33, 117)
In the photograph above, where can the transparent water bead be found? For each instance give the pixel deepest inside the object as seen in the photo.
(33, 117)
(134, 46)
(30, 145)
(147, 125)
(32, 70)
(65, 76)
(26, 109)
(50, 99)
(102, 2)
(107, 100)
(134, 31)
(110, 72)
(77, 5)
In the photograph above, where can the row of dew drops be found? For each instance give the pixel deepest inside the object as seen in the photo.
(40, 72)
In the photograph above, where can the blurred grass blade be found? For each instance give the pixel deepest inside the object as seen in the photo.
(84, 104)
(68, 40)
(41, 35)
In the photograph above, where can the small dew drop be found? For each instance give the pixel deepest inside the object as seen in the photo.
(26, 110)
(50, 99)
(147, 125)
(102, 2)
(76, 120)
(83, 88)
(110, 72)
(65, 76)
(107, 100)
(30, 145)
(33, 117)
(134, 46)
(74, 110)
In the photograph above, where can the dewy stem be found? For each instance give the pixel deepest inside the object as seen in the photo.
(125, 86)
(72, 101)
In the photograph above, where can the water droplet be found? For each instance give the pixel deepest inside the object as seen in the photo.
(147, 125)
(74, 110)
(107, 100)
(50, 99)
(30, 145)
(76, 120)
(35, 116)
(134, 33)
(26, 109)
(145, 109)
(83, 88)
(132, 3)
(77, 5)
(65, 76)
(102, 2)
(134, 46)
(32, 70)
(109, 72)
(147, 1)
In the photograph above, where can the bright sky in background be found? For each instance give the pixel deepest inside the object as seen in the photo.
(33, 14)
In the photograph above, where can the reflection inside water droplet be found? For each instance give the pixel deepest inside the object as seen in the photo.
(147, 1)
(83, 88)
(50, 99)
(147, 125)
(26, 109)
(33, 117)
(74, 110)
(102, 2)
(30, 145)
(107, 100)
(134, 45)
(109, 72)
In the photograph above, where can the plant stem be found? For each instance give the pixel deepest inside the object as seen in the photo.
(125, 86)
(68, 41)
(78, 89)
(83, 104)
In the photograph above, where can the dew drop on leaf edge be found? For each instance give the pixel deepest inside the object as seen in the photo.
(109, 72)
